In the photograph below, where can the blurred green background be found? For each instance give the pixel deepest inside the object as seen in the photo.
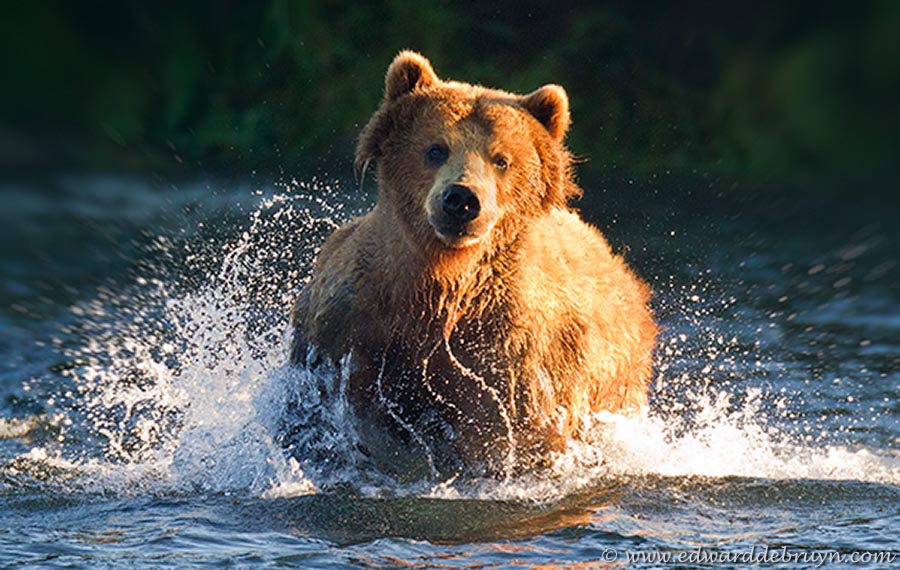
(777, 95)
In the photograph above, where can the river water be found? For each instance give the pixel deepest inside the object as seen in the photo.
(144, 397)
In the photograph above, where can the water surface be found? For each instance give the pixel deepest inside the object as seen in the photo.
(143, 391)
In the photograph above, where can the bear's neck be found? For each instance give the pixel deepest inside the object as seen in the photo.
(445, 285)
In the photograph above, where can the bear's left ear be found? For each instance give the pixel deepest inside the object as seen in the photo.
(550, 106)
(408, 71)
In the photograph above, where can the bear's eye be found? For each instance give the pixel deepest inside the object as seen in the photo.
(501, 162)
(437, 154)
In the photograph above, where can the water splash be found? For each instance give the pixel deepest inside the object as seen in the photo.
(510, 455)
(724, 440)
(179, 384)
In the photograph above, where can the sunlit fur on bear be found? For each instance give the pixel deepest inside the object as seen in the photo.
(483, 319)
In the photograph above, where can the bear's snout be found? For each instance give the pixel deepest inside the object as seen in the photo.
(460, 204)
(462, 214)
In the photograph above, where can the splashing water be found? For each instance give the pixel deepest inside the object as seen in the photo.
(179, 383)
(176, 382)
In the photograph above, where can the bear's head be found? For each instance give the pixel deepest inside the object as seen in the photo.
(462, 165)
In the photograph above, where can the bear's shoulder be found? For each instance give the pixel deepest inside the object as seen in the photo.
(326, 303)
(566, 266)
(561, 244)
(336, 242)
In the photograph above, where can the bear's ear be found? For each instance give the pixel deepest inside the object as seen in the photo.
(407, 72)
(550, 106)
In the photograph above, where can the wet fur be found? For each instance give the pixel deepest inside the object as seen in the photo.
(481, 358)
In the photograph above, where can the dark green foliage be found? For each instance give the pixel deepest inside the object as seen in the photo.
(787, 92)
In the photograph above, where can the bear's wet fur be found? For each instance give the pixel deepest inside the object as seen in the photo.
(478, 319)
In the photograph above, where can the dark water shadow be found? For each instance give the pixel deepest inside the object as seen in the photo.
(639, 510)
(345, 518)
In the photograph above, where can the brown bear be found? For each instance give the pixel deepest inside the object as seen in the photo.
(474, 319)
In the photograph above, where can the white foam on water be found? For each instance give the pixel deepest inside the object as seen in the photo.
(180, 385)
(725, 441)
(729, 444)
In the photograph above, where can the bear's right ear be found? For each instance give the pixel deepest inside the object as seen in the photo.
(408, 71)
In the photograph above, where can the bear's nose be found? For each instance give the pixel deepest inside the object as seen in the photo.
(460, 203)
